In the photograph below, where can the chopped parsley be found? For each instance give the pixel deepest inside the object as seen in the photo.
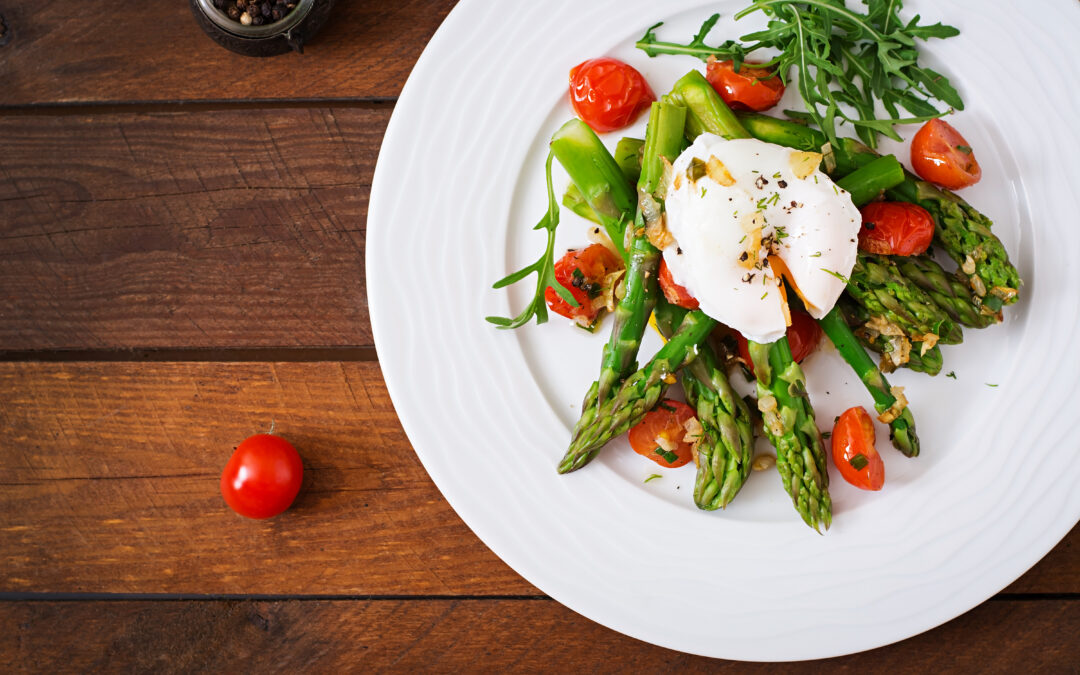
(859, 461)
(668, 455)
(652, 477)
(990, 385)
(964, 149)
(839, 276)
(951, 373)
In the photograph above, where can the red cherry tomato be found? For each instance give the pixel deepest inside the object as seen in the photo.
(583, 272)
(895, 228)
(675, 294)
(853, 450)
(262, 477)
(608, 94)
(939, 154)
(803, 336)
(747, 88)
(661, 428)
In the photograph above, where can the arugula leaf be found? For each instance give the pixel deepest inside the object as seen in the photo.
(845, 61)
(544, 268)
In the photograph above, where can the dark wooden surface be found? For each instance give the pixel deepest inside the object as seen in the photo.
(182, 264)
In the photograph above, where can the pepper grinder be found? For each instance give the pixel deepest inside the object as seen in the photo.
(276, 27)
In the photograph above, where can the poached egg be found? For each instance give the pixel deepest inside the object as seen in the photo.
(744, 213)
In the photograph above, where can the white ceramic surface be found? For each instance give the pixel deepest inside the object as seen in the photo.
(458, 187)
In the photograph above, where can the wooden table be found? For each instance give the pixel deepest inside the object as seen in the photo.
(181, 265)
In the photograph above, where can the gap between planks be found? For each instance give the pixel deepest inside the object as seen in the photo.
(15, 596)
(182, 105)
(196, 355)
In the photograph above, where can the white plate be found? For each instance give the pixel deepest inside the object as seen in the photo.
(458, 187)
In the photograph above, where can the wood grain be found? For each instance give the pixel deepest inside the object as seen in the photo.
(109, 483)
(95, 50)
(232, 228)
(472, 636)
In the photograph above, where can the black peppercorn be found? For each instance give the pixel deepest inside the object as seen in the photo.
(265, 10)
(234, 13)
(257, 20)
(276, 14)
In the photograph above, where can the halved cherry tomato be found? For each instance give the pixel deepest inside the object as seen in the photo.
(895, 228)
(939, 154)
(263, 476)
(747, 88)
(659, 435)
(853, 450)
(803, 336)
(675, 294)
(608, 94)
(583, 272)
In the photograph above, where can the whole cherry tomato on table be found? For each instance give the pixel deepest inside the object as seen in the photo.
(853, 450)
(262, 477)
(803, 336)
(659, 435)
(608, 94)
(939, 154)
(747, 88)
(675, 294)
(895, 228)
(583, 272)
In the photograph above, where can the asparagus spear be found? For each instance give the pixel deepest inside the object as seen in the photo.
(960, 230)
(949, 292)
(628, 157)
(637, 395)
(856, 316)
(662, 140)
(789, 423)
(899, 418)
(877, 284)
(598, 177)
(726, 449)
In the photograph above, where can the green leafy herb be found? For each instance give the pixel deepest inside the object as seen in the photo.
(652, 477)
(951, 374)
(666, 407)
(990, 385)
(859, 461)
(668, 455)
(544, 268)
(844, 60)
(839, 276)
(966, 149)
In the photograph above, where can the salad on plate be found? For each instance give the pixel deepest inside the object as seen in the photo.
(743, 237)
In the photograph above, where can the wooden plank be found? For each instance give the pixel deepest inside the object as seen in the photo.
(109, 483)
(222, 228)
(151, 51)
(470, 636)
